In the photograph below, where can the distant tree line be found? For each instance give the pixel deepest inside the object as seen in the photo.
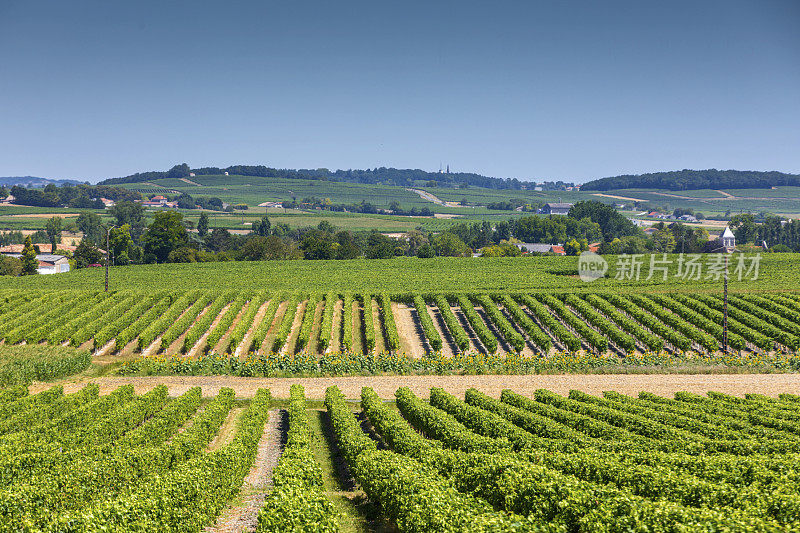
(391, 176)
(775, 232)
(75, 196)
(681, 180)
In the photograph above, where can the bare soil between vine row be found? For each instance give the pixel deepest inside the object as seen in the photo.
(385, 386)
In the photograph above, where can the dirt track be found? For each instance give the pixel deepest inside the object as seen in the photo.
(385, 386)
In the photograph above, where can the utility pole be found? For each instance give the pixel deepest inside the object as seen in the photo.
(108, 251)
(725, 310)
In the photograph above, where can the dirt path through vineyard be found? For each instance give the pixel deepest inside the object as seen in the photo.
(385, 386)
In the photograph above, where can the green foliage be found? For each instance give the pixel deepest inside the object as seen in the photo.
(23, 364)
(29, 261)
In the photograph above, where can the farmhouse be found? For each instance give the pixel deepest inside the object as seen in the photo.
(48, 263)
(557, 208)
(539, 248)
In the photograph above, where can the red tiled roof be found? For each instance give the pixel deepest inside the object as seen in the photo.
(558, 250)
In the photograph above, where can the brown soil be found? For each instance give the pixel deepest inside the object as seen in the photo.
(223, 340)
(247, 339)
(276, 321)
(408, 330)
(358, 335)
(448, 346)
(228, 429)
(380, 342)
(385, 386)
(295, 331)
(474, 342)
(243, 515)
(313, 340)
(336, 334)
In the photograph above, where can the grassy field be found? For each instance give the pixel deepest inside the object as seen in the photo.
(778, 272)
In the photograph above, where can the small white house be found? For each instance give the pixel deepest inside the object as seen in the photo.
(48, 263)
(727, 240)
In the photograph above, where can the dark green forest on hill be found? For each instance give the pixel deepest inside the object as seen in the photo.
(390, 176)
(682, 180)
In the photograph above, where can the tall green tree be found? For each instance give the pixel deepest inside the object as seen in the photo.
(202, 224)
(130, 213)
(53, 228)
(612, 223)
(165, 234)
(29, 261)
(120, 242)
(92, 227)
(262, 227)
(87, 254)
(744, 228)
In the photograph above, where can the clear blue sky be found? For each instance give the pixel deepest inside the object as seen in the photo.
(568, 90)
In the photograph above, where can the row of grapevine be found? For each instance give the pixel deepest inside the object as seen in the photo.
(167, 318)
(202, 324)
(368, 323)
(428, 328)
(534, 332)
(451, 322)
(509, 333)
(389, 326)
(29, 328)
(477, 324)
(185, 321)
(261, 331)
(326, 329)
(701, 316)
(296, 502)
(285, 327)
(595, 340)
(145, 320)
(703, 339)
(404, 487)
(112, 329)
(246, 322)
(89, 329)
(224, 324)
(626, 324)
(347, 323)
(196, 490)
(562, 501)
(601, 323)
(758, 329)
(543, 315)
(648, 320)
(307, 324)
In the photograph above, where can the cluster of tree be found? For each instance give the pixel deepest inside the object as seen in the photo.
(23, 266)
(556, 185)
(613, 224)
(778, 234)
(76, 196)
(11, 237)
(514, 203)
(681, 180)
(680, 211)
(395, 176)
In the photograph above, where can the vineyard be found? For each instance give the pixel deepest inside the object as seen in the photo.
(86, 462)
(263, 333)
